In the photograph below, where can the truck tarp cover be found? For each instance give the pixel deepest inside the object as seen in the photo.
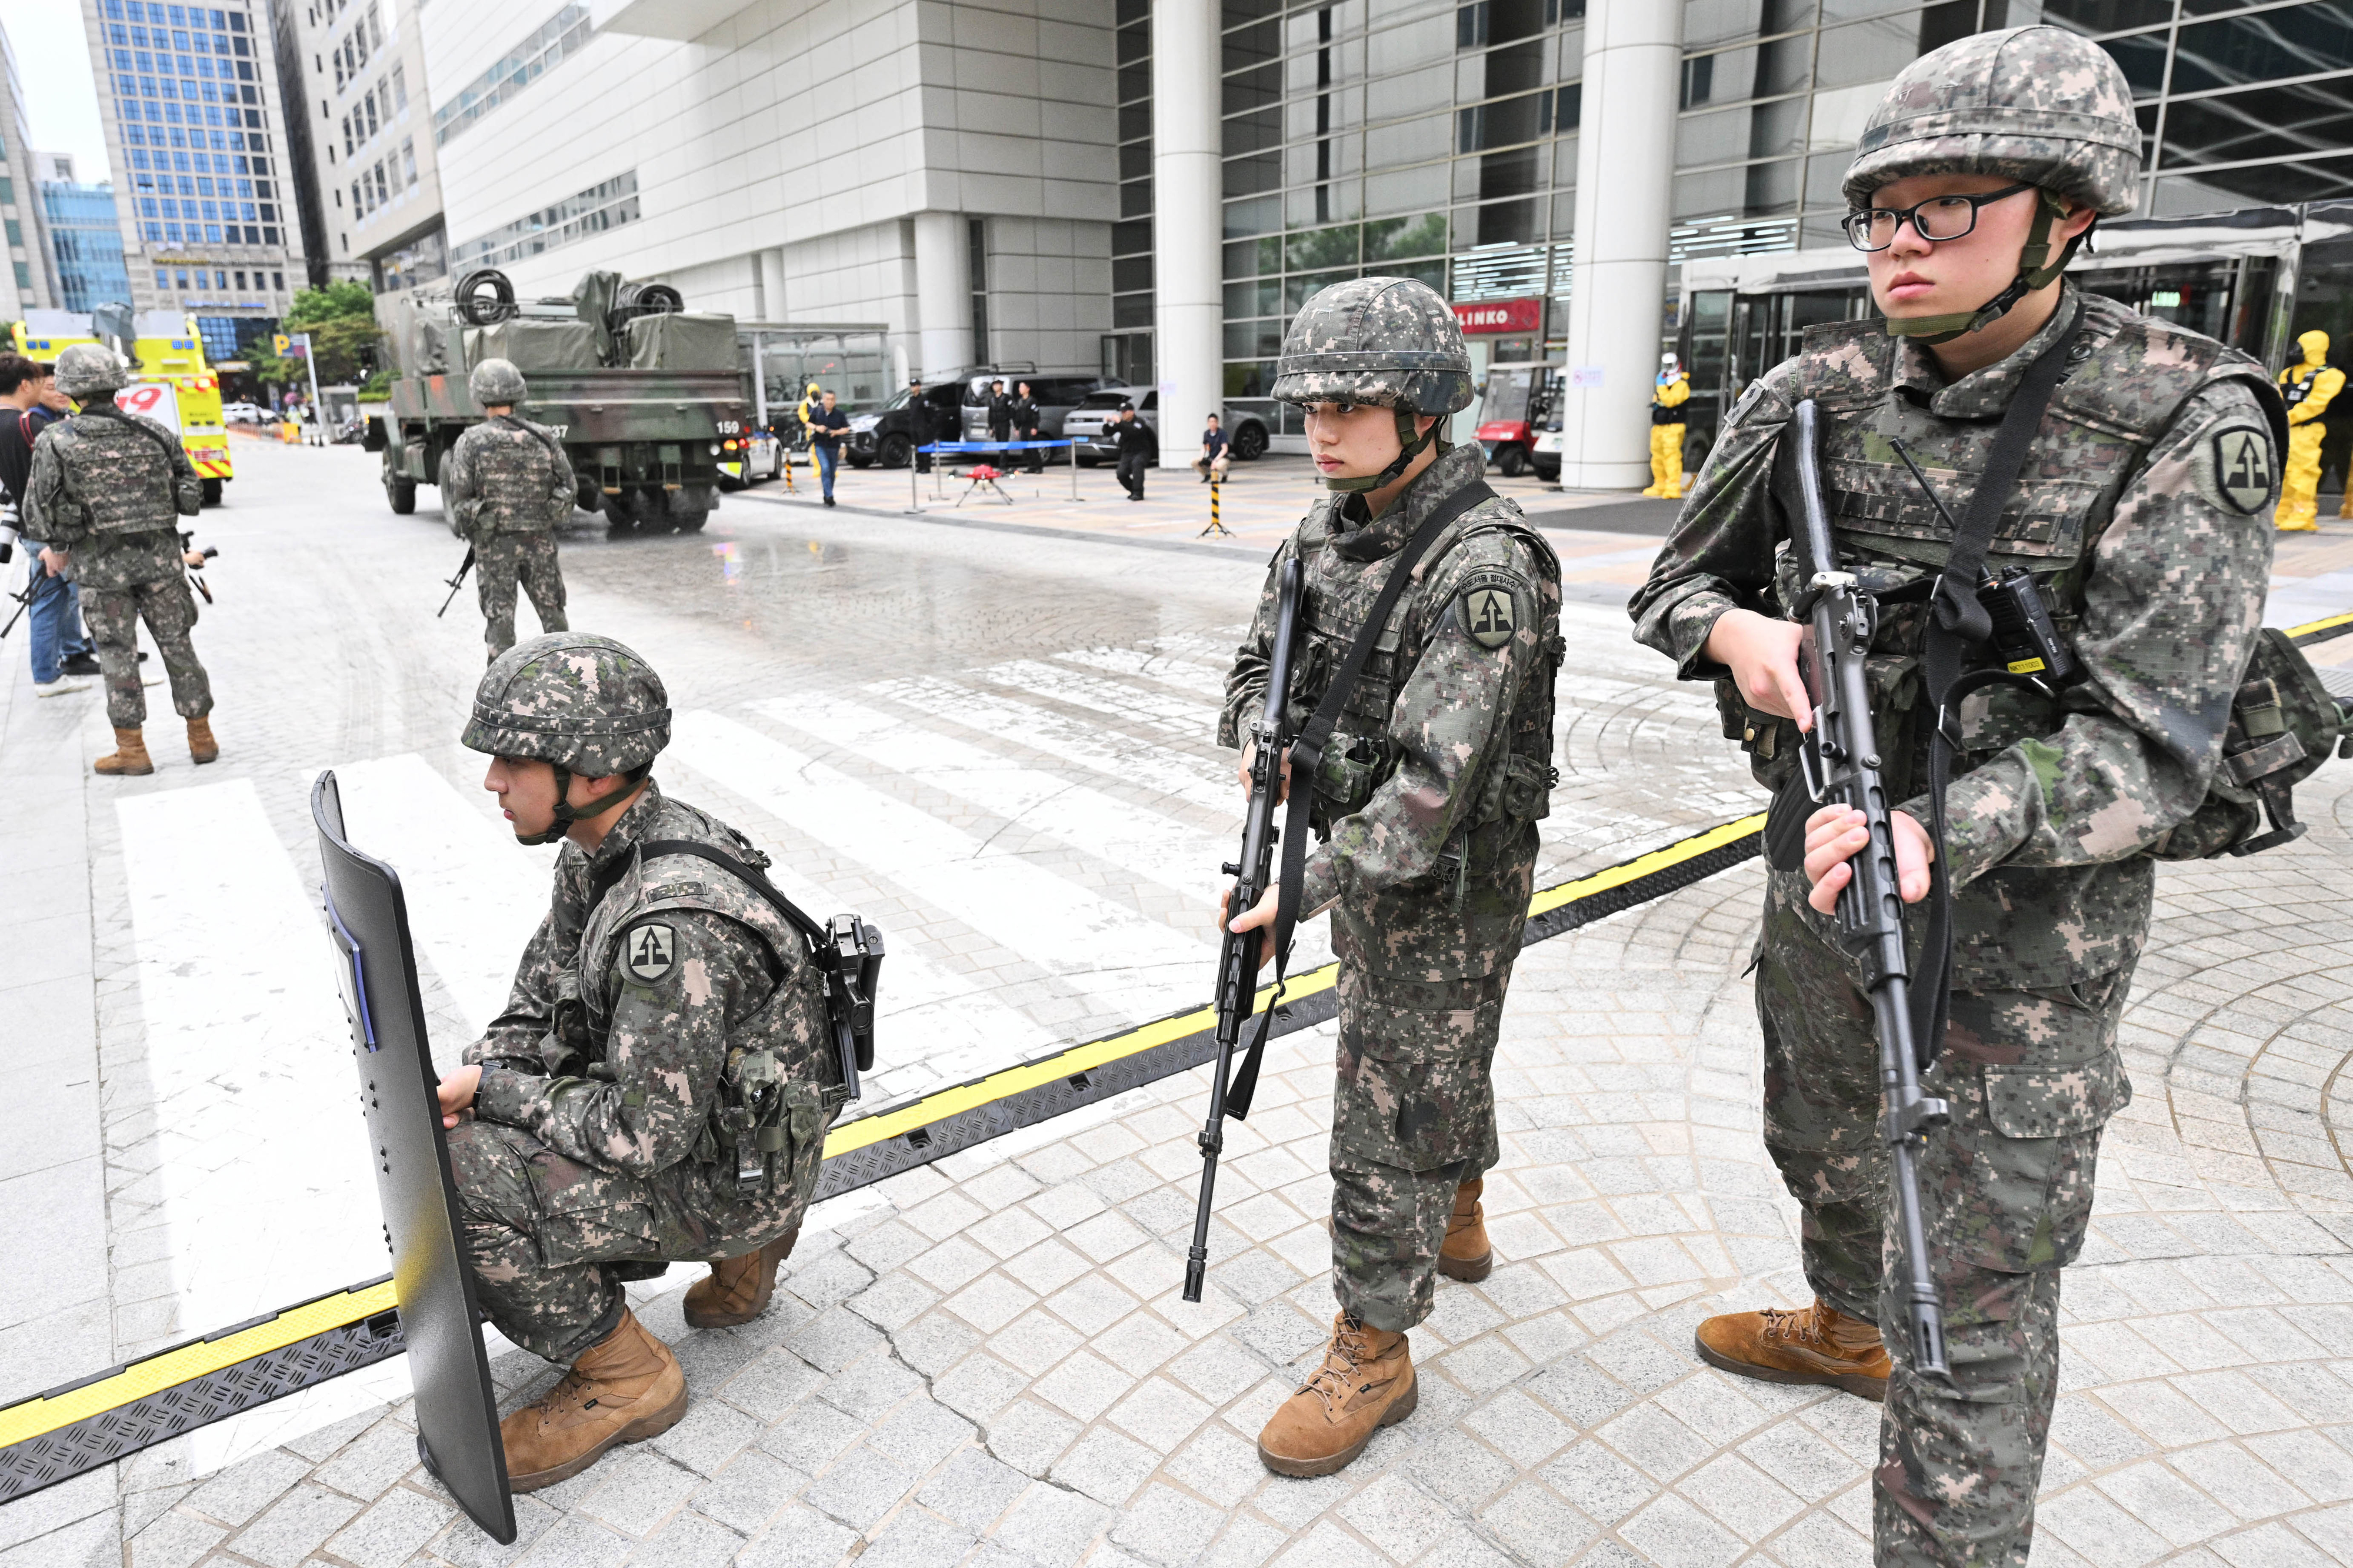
(682, 341)
(534, 345)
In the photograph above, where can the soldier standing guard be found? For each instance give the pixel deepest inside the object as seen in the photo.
(2142, 511)
(507, 484)
(1426, 800)
(659, 1085)
(107, 493)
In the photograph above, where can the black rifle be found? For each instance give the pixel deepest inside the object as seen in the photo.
(456, 582)
(1239, 955)
(196, 573)
(1838, 764)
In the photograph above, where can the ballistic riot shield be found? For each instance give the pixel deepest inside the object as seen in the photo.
(457, 1408)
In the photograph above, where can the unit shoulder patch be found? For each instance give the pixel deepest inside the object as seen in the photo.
(2242, 467)
(1488, 610)
(649, 950)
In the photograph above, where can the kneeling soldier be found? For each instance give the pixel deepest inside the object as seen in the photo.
(660, 1082)
(1426, 797)
(2136, 493)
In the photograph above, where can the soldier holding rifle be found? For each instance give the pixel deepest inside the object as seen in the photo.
(2135, 489)
(1421, 695)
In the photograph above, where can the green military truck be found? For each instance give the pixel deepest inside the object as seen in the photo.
(648, 397)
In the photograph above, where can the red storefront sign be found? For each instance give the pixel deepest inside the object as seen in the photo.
(1500, 316)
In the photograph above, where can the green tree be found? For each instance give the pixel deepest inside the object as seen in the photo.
(341, 319)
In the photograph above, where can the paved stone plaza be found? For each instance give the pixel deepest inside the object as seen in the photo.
(995, 742)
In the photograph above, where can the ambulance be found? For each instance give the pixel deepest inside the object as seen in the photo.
(171, 382)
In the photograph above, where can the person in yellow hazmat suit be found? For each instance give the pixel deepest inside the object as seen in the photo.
(811, 399)
(2308, 387)
(1667, 402)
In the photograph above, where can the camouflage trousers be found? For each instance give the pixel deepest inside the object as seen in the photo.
(552, 1240)
(170, 611)
(2032, 1075)
(499, 559)
(1413, 1117)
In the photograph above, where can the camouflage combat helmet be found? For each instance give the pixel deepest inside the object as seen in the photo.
(497, 381)
(584, 703)
(1390, 343)
(87, 369)
(2037, 106)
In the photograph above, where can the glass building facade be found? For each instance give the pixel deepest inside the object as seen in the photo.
(86, 235)
(1439, 140)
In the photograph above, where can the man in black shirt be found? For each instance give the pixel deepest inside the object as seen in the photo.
(827, 425)
(1135, 440)
(1025, 425)
(63, 656)
(1000, 414)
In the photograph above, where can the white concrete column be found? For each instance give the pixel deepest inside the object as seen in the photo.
(1625, 176)
(772, 282)
(1188, 219)
(943, 292)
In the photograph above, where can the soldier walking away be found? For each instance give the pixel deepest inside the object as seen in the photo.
(2143, 514)
(507, 484)
(1426, 802)
(659, 1084)
(106, 494)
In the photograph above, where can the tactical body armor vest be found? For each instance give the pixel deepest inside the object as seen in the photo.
(2128, 377)
(121, 472)
(1515, 788)
(780, 1088)
(519, 486)
(2297, 391)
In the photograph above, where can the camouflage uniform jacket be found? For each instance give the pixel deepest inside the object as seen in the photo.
(110, 489)
(2144, 513)
(631, 1018)
(1430, 787)
(507, 475)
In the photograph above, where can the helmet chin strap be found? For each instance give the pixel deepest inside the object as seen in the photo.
(2034, 272)
(1410, 443)
(566, 814)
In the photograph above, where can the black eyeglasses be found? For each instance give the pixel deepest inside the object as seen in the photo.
(1936, 219)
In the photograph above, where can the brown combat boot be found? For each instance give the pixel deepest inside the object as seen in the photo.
(1468, 1256)
(625, 1388)
(1816, 1344)
(1365, 1383)
(129, 756)
(201, 744)
(737, 1288)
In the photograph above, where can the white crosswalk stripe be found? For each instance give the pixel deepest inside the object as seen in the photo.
(1195, 721)
(1163, 770)
(1104, 951)
(475, 895)
(1194, 680)
(1093, 823)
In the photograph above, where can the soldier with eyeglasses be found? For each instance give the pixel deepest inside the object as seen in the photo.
(2142, 510)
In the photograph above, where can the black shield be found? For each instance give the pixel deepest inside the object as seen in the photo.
(456, 1409)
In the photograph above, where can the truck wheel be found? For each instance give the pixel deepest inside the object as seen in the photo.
(1509, 461)
(897, 451)
(1250, 442)
(689, 521)
(401, 494)
(212, 492)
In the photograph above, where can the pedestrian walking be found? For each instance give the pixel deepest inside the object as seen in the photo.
(659, 1085)
(1215, 453)
(106, 494)
(1026, 427)
(827, 426)
(1134, 438)
(2149, 458)
(920, 428)
(63, 659)
(1426, 803)
(507, 484)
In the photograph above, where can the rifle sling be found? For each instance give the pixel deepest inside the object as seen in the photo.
(1958, 623)
(821, 940)
(1306, 754)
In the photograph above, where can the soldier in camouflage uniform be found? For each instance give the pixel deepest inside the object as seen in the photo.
(507, 484)
(2142, 509)
(660, 1082)
(1426, 801)
(107, 493)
